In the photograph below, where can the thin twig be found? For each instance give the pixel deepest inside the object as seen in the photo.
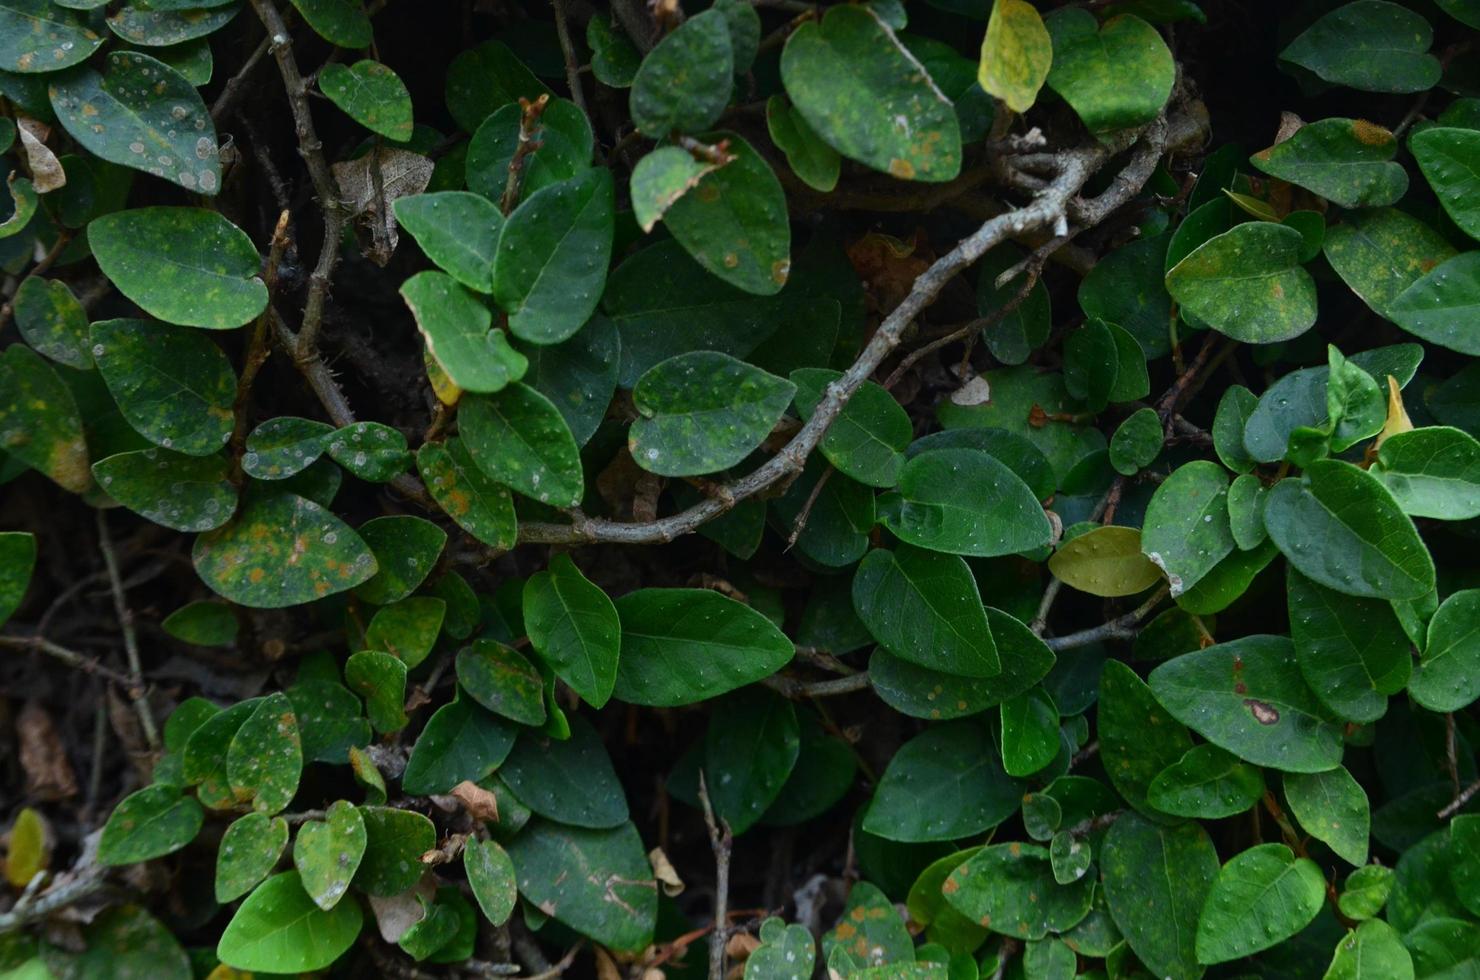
(138, 693)
(257, 346)
(1458, 803)
(59, 897)
(64, 238)
(78, 661)
(800, 524)
(796, 690)
(236, 84)
(529, 121)
(1119, 628)
(720, 840)
(568, 48)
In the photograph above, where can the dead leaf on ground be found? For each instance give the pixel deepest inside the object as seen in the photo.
(49, 774)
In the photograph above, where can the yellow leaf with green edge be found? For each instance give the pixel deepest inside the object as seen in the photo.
(1106, 561)
(1016, 54)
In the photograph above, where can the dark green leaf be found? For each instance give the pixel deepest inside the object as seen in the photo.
(150, 823)
(518, 438)
(173, 385)
(187, 493)
(1447, 678)
(405, 550)
(461, 741)
(598, 882)
(750, 749)
(1156, 880)
(395, 840)
(1370, 45)
(944, 784)
(1010, 889)
(1186, 531)
(1260, 898)
(574, 627)
(372, 95)
(1206, 783)
(965, 502)
(1352, 651)
(1346, 161)
(925, 608)
(1447, 157)
(1138, 738)
(1332, 808)
(53, 321)
(684, 82)
(503, 681)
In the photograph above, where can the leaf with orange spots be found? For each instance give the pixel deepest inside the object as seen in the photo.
(1010, 889)
(1380, 253)
(1116, 74)
(282, 550)
(859, 88)
(1158, 912)
(480, 506)
(38, 36)
(172, 384)
(39, 420)
(502, 680)
(1247, 284)
(685, 82)
(265, 757)
(870, 930)
(1349, 162)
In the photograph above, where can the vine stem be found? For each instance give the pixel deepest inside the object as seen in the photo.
(138, 693)
(720, 840)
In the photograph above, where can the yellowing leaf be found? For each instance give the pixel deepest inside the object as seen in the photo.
(1105, 562)
(1397, 416)
(1016, 54)
(30, 848)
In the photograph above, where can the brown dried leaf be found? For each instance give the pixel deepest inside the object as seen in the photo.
(396, 914)
(369, 195)
(663, 870)
(49, 775)
(46, 171)
(479, 802)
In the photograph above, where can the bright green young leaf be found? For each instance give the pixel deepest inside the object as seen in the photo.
(574, 628)
(1341, 527)
(1369, 45)
(1116, 74)
(1447, 678)
(405, 549)
(867, 96)
(1333, 808)
(924, 607)
(149, 823)
(1207, 783)
(173, 385)
(1248, 697)
(734, 222)
(480, 506)
(703, 412)
(1352, 650)
(1365, 891)
(1447, 157)
(1349, 162)
(250, 849)
(53, 322)
(552, 257)
(265, 758)
(868, 438)
(187, 266)
(461, 741)
(187, 493)
(248, 560)
(684, 645)
(1261, 897)
(327, 853)
(144, 115)
(964, 502)
(1248, 284)
(502, 680)
(598, 882)
(372, 95)
(1016, 54)
(684, 83)
(278, 929)
(518, 438)
(1158, 912)
(457, 328)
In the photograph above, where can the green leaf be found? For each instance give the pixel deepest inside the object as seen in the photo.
(53, 321)
(1157, 912)
(284, 446)
(1247, 284)
(250, 849)
(924, 607)
(327, 853)
(35, 36)
(1206, 783)
(340, 22)
(1105, 561)
(734, 222)
(160, 26)
(1186, 529)
(1010, 888)
(461, 741)
(703, 412)
(1126, 287)
(17, 561)
(751, 747)
(1339, 526)
(684, 83)
(1352, 651)
(1349, 162)
(660, 179)
(1137, 442)
(173, 385)
(372, 95)
(570, 781)
(614, 61)
(458, 231)
(183, 265)
(149, 823)
(482, 79)
(1370, 45)
(598, 882)
(405, 550)
(1235, 406)
(1260, 898)
(331, 721)
(1441, 306)
(1115, 75)
(395, 840)
(145, 115)
(371, 451)
(480, 506)
(862, 92)
(380, 679)
(278, 929)
(1248, 697)
(786, 952)
(552, 257)
(1020, 331)
(518, 438)
(265, 757)
(1332, 808)
(868, 438)
(1447, 157)
(1030, 732)
(684, 645)
(186, 493)
(203, 761)
(204, 622)
(490, 874)
(1464, 873)
(1138, 737)
(574, 627)
(23, 195)
(1366, 891)
(456, 326)
(39, 420)
(1447, 678)
(407, 628)
(835, 532)
(1374, 949)
(502, 680)
(817, 164)
(282, 550)
(870, 930)
(946, 783)
(561, 141)
(1016, 54)
(1381, 252)
(823, 774)
(940, 505)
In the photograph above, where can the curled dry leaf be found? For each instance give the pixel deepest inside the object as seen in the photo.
(49, 775)
(46, 170)
(663, 870)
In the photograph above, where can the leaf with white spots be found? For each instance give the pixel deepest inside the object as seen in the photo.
(265, 757)
(141, 113)
(36, 36)
(186, 493)
(327, 853)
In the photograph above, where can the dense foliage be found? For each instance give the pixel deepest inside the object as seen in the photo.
(966, 488)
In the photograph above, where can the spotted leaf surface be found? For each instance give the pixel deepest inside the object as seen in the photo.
(187, 493)
(53, 322)
(39, 420)
(684, 82)
(173, 385)
(265, 757)
(38, 36)
(519, 439)
(327, 853)
(1247, 283)
(250, 849)
(143, 114)
(1116, 74)
(285, 446)
(372, 95)
(596, 881)
(149, 823)
(281, 550)
(405, 550)
(1347, 161)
